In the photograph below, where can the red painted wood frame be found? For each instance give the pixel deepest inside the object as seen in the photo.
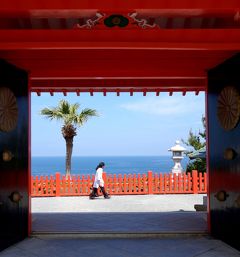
(118, 60)
(115, 60)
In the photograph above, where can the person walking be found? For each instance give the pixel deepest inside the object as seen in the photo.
(99, 182)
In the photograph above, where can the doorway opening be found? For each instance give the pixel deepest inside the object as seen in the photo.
(116, 135)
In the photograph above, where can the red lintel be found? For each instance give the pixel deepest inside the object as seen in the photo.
(191, 39)
(53, 5)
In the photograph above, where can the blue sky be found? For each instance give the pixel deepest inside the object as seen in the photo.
(127, 125)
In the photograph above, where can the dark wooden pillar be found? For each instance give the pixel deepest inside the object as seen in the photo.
(224, 150)
(14, 198)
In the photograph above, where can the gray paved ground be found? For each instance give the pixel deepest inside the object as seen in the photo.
(150, 222)
(175, 247)
(167, 212)
(125, 214)
(130, 203)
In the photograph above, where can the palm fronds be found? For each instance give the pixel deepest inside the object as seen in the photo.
(69, 113)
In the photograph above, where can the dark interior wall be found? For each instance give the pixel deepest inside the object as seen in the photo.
(224, 173)
(14, 173)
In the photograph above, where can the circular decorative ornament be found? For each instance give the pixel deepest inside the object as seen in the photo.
(228, 109)
(15, 197)
(116, 20)
(229, 154)
(221, 196)
(7, 156)
(8, 110)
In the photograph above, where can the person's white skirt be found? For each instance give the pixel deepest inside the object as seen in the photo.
(98, 183)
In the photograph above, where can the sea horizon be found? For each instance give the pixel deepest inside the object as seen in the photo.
(83, 165)
(102, 155)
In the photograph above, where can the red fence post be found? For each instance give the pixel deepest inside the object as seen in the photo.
(150, 189)
(33, 188)
(175, 178)
(41, 186)
(57, 183)
(195, 181)
(205, 182)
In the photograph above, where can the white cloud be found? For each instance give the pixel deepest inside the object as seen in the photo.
(167, 105)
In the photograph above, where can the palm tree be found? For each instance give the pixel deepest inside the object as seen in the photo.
(69, 115)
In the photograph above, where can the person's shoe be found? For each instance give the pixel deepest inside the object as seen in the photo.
(107, 196)
(94, 193)
(91, 197)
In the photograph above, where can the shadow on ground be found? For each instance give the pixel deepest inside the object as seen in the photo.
(121, 222)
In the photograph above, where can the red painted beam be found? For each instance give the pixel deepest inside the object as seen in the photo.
(121, 35)
(27, 5)
(118, 81)
(61, 55)
(191, 39)
(139, 85)
(218, 46)
(88, 13)
(111, 63)
(196, 73)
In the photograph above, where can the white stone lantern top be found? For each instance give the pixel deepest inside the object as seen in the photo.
(177, 148)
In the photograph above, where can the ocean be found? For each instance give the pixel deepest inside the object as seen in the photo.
(114, 164)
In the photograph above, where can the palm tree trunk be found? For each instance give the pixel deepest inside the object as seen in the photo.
(69, 147)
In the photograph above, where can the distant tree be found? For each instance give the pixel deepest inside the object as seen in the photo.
(71, 119)
(195, 142)
(198, 164)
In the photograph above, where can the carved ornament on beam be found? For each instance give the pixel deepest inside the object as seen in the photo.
(92, 22)
(142, 23)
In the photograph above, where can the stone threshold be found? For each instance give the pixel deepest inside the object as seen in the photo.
(112, 235)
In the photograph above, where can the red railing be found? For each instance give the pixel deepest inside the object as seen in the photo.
(132, 184)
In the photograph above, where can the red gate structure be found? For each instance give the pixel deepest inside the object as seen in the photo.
(121, 46)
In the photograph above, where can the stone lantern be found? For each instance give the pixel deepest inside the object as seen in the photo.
(177, 156)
